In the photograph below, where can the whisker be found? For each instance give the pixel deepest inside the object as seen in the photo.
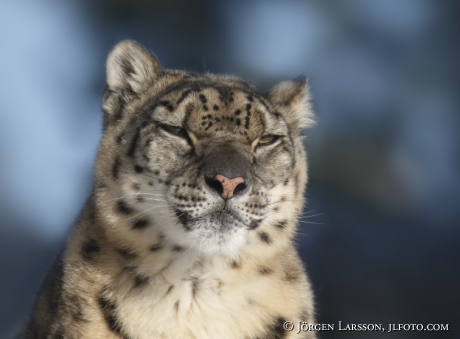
(311, 222)
(135, 193)
(305, 216)
(155, 199)
(150, 199)
(146, 210)
(153, 177)
(276, 202)
(175, 216)
(313, 215)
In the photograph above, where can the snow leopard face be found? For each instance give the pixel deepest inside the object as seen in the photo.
(200, 160)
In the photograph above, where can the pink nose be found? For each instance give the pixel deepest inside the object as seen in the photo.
(228, 185)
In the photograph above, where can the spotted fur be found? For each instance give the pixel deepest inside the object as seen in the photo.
(159, 250)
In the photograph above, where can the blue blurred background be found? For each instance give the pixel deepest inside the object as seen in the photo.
(381, 234)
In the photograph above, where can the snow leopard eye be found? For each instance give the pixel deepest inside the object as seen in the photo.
(267, 140)
(174, 130)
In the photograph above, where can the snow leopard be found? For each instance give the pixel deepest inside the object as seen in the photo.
(189, 231)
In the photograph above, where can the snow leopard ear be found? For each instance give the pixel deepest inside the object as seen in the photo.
(292, 99)
(131, 70)
(131, 67)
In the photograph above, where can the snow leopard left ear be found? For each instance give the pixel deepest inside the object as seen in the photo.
(292, 99)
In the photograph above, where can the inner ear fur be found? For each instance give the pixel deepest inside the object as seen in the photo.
(292, 99)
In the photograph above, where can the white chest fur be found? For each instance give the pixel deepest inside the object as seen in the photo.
(179, 300)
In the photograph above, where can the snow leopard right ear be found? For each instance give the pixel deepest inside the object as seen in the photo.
(131, 69)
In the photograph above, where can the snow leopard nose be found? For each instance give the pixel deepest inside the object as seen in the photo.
(226, 187)
(226, 168)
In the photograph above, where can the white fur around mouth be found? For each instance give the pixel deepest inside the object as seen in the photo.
(224, 219)
(218, 232)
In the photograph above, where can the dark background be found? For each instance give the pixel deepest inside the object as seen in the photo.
(381, 233)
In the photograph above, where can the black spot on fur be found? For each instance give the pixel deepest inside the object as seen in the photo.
(156, 247)
(238, 122)
(296, 182)
(177, 248)
(235, 265)
(138, 169)
(246, 122)
(195, 285)
(74, 306)
(145, 157)
(264, 270)
(140, 280)
(167, 104)
(188, 111)
(183, 96)
(220, 283)
(250, 301)
(183, 217)
(90, 249)
(176, 306)
(238, 112)
(146, 123)
(215, 107)
(140, 224)
(209, 126)
(281, 224)
(265, 237)
(203, 98)
(126, 253)
(291, 275)
(109, 311)
(132, 148)
(121, 138)
(169, 290)
(254, 224)
(116, 168)
(274, 329)
(123, 207)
